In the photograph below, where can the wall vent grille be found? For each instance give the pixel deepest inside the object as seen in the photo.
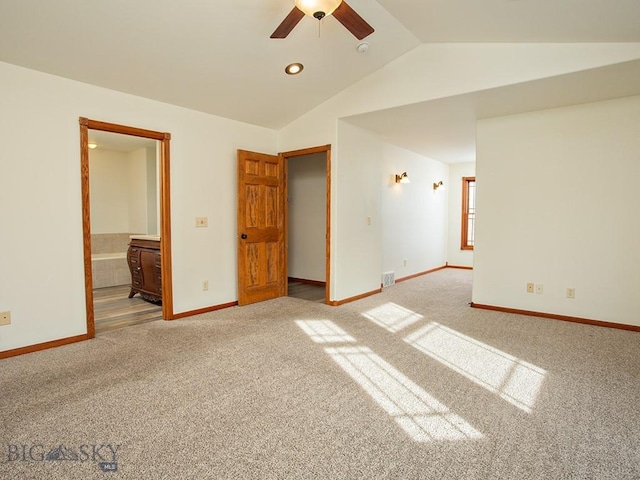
(388, 279)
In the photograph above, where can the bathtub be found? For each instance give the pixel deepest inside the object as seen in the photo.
(110, 269)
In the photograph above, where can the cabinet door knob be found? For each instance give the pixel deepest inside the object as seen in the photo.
(243, 236)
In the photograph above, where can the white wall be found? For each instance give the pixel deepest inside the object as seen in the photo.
(153, 190)
(381, 223)
(136, 179)
(414, 216)
(124, 193)
(307, 216)
(455, 255)
(430, 71)
(109, 189)
(40, 202)
(556, 200)
(356, 243)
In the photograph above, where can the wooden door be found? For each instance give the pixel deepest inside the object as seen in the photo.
(261, 227)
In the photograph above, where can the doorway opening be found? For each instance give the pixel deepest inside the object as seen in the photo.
(125, 191)
(308, 223)
(263, 224)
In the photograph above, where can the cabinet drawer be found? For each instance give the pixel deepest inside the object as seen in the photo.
(146, 271)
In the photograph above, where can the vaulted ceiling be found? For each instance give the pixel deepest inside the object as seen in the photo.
(216, 56)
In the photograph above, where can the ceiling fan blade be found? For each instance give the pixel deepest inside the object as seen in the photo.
(288, 23)
(353, 22)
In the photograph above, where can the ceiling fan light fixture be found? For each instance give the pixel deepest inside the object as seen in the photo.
(339, 9)
(317, 8)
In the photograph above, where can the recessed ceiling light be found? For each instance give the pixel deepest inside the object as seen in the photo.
(294, 68)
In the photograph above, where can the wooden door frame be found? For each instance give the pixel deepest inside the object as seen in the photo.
(165, 211)
(326, 149)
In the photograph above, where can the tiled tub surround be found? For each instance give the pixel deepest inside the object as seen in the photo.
(109, 259)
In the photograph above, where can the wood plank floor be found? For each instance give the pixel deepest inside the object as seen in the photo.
(112, 309)
(306, 291)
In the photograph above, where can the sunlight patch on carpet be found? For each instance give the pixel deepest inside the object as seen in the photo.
(324, 331)
(420, 415)
(392, 317)
(512, 379)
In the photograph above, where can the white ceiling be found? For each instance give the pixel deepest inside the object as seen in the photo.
(216, 56)
(519, 21)
(445, 129)
(119, 142)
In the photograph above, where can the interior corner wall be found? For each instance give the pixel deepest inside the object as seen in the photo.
(153, 190)
(41, 196)
(356, 264)
(307, 216)
(556, 198)
(414, 215)
(455, 255)
(138, 195)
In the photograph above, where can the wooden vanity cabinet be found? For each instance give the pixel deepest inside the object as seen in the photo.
(144, 262)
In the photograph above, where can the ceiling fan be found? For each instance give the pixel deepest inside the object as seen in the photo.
(319, 9)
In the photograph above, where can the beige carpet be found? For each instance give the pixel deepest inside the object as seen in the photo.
(410, 383)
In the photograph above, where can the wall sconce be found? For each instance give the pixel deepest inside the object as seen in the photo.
(439, 186)
(404, 178)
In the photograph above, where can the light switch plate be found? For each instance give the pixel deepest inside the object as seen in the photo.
(201, 221)
(5, 318)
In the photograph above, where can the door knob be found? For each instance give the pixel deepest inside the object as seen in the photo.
(243, 236)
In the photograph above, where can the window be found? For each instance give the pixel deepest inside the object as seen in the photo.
(468, 212)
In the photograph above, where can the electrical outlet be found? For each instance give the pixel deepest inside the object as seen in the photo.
(539, 289)
(205, 285)
(571, 293)
(5, 318)
(530, 288)
(404, 263)
(201, 221)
